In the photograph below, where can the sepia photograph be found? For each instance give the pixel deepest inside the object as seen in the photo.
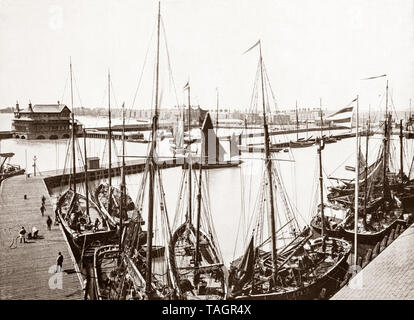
(206, 150)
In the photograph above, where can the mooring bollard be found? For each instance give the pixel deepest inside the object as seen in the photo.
(367, 258)
(391, 237)
(383, 243)
(25, 197)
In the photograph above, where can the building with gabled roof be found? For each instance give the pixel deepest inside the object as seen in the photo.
(43, 121)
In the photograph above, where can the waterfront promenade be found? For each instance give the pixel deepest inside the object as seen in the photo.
(27, 270)
(390, 276)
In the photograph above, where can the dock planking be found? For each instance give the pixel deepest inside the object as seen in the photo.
(389, 276)
(27, 270)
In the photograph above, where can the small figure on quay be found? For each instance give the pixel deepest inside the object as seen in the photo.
(49, 223)
(59, 262)
(35, 232)
(22, 234)
(43, 200)
(43, 209)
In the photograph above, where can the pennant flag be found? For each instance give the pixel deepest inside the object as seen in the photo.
(370, 78)
(187, 86)
(256, 44)
(342, 116)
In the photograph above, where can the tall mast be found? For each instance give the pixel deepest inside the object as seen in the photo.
(401, 151)
(152, 164)
(73, 130)
(109, 134)
(269, 174)
(297, 121)
(385, 151)
(217, 126)
(190, 165)
(356, 185)
(86, 173)
(320, 107)
(320, 148)
(73, 153)
(196, 260)
(217, 110)
(366, 168)
(123, 184)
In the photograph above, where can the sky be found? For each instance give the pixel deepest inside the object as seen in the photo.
(312, 49)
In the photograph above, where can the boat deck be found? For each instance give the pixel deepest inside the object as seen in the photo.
(389, 276)
(27, 270)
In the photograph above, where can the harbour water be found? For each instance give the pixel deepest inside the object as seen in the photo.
(228, 188)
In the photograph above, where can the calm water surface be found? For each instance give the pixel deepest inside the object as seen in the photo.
(228, 188)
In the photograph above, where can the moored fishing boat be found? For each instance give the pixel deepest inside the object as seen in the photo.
(195, 257)
(302, 268)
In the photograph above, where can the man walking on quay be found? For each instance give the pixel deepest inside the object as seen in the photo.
(43, 200)
(43, 209)
(22, 234)
(49, 223)
(59, 262)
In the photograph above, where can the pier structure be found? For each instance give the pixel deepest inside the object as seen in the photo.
(389, 276)
(28, 270)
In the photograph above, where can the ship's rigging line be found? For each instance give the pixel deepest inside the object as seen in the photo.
(143, 67)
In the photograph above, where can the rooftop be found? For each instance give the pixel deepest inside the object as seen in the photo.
(45, 108)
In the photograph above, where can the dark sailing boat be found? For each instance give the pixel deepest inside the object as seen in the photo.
(195, 257)
(107, 196)
(80, 217)
(142, 269)
(301, 269)
(209, 142)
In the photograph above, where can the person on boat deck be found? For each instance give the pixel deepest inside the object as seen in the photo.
(96, 225)
(22, 233)
(186, 286)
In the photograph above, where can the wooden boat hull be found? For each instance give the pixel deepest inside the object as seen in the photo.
(329, 281)
(214, 266)
(86, 238)
(300, 144)
(363, 238)
(231, 164)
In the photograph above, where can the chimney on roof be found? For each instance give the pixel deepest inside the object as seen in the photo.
(58, 103)
(17, 106)
(30, 106)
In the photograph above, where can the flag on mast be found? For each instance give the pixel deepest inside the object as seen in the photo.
(252, 47)
(343, 116)
(187, 86)
(370, 78)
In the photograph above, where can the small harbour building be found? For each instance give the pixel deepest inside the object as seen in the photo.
(43, 121)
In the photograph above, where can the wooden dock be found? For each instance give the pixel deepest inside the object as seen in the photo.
(27, 270)
(390, 276)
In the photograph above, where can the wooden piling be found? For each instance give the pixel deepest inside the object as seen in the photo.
(391, 237)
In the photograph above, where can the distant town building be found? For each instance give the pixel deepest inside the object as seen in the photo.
(43, 121)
